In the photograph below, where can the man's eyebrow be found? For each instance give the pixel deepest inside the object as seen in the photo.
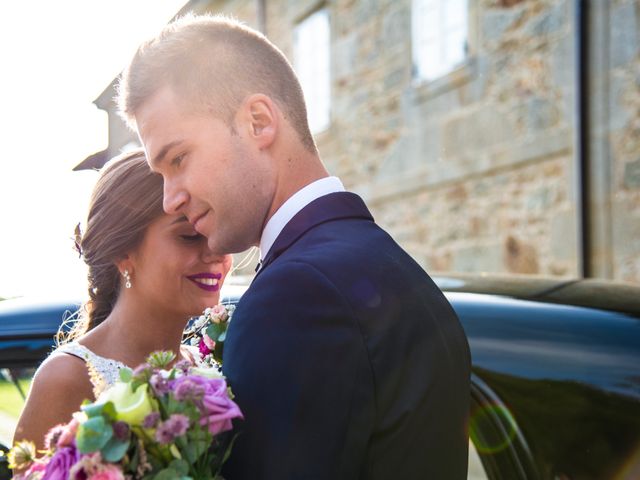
(159, 158)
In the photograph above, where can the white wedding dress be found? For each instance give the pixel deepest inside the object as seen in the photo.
(103, 372)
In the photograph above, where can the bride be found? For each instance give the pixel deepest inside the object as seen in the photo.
(148, 274)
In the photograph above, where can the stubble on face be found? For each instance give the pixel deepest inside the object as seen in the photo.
(246, 199)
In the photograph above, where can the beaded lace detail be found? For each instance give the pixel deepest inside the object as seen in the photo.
(103, 372)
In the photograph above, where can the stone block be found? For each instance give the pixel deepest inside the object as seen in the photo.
(395, 78)
(564, 236)
(626, 228)
(562, 61)
(549, 21)
(396, 27)
(344, 55)
(632, 175)
(478, 258)
(619, 113)
(624, 42)
(537, 114)
(478, 130)
(495, 23)
(520, 257)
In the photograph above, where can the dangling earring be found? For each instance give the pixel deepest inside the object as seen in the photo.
(127, 278)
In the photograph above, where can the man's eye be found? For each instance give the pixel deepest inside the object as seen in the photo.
(177, 161)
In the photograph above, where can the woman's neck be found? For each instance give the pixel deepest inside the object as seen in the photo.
(133, 330)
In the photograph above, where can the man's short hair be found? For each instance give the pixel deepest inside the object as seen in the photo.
(213, 62)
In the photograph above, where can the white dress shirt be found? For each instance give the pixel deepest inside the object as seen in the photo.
(293, 205)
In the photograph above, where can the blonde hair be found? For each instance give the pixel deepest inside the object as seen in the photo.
(126, 199)
(214, 63)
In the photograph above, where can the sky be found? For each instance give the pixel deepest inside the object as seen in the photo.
(57, 57)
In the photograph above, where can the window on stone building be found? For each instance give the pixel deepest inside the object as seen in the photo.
(311, 62)
(439, 34)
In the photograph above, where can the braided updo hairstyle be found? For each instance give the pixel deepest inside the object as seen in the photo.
(126, 199)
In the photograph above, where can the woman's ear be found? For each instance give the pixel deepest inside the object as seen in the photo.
(261, 116)
(125, 264)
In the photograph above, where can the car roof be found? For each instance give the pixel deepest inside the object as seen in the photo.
(594, 293)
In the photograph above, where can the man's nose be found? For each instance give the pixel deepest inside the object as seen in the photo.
(174, 198)
(209, 256)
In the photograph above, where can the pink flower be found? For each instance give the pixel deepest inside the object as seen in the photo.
(208, 341)
(204, 350)
(35, 471)
(108, 472)
(218, 310)
(68, 435)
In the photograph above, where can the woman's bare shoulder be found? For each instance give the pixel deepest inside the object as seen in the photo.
(62, 370)
(58, 389)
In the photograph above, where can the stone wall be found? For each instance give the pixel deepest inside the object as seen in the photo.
(624, 137)
(477, 171)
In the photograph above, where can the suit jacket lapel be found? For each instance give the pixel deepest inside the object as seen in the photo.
(334, 206)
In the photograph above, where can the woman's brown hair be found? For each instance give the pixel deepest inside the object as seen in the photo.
(126, 199)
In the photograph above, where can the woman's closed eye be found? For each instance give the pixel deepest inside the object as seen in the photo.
(192, 238)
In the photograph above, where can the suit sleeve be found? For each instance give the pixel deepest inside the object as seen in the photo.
(297, 363)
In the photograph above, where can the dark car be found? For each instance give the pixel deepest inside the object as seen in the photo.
(556, 373)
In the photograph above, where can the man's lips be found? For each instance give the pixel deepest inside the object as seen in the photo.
(206, 281)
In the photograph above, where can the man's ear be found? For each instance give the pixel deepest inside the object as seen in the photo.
(261, 116)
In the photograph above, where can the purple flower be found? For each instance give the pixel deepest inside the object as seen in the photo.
(60, 464)
(216, 408)
(175, 426)
(159, 384)
(151, 420)
(187, 390)
(183, 366)
(121, 430)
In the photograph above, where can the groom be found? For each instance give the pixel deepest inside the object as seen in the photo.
(346, 359)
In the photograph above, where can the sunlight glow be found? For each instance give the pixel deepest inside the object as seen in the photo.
(57, 58)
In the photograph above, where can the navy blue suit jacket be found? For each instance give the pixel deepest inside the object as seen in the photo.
(346, 359)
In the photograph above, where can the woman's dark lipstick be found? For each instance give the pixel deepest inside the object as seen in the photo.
(206, 281)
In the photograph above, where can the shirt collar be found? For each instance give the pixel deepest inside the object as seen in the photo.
(293, 205)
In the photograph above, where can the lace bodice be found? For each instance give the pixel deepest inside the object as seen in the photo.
(103, 372)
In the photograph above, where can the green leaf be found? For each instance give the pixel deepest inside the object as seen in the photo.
(170, 474)
(126, 374)
(215, 330)
(180, 466)
(93, 409)
(93, 434)
(114, 450)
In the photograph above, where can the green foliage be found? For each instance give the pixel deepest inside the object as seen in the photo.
(161, 359)
(115, 449)
(93, 434)
(126, 374)
(11, 401)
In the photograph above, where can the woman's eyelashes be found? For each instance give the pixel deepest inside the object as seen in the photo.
(192, 238)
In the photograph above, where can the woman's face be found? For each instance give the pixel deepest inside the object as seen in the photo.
(174, 269)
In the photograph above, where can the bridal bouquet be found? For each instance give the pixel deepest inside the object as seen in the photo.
(155, 423)
(208, 333)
